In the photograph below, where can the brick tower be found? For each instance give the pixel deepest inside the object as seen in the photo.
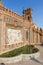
(28, 14)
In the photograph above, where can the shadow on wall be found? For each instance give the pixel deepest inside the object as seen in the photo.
(41, 43)
(2, 64)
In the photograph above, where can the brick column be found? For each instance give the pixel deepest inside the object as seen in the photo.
(31, 35)
(38, 38)
(2, 35)
(34, 37)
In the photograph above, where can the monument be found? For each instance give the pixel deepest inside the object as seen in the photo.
(17, 31)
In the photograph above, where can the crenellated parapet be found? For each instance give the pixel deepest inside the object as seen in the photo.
(14, 28)
(10, 13)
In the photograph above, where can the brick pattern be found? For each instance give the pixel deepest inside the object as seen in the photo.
(35, 36)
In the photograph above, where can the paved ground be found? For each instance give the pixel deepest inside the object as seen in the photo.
(29, 62)
(41, 50)
(32, 61)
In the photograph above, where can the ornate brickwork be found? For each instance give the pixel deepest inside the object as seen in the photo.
(31, 34)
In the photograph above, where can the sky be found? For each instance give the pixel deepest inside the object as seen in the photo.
(36, 5)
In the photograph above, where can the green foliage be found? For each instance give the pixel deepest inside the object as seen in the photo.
(40, 29)
(23, 50)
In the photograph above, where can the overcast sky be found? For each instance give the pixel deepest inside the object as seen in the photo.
(36, 5)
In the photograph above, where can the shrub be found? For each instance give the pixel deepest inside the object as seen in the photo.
(23, 50)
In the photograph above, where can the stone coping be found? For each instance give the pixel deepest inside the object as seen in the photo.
(19, 58)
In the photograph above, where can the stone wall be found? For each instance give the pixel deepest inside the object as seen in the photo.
(12, 20)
